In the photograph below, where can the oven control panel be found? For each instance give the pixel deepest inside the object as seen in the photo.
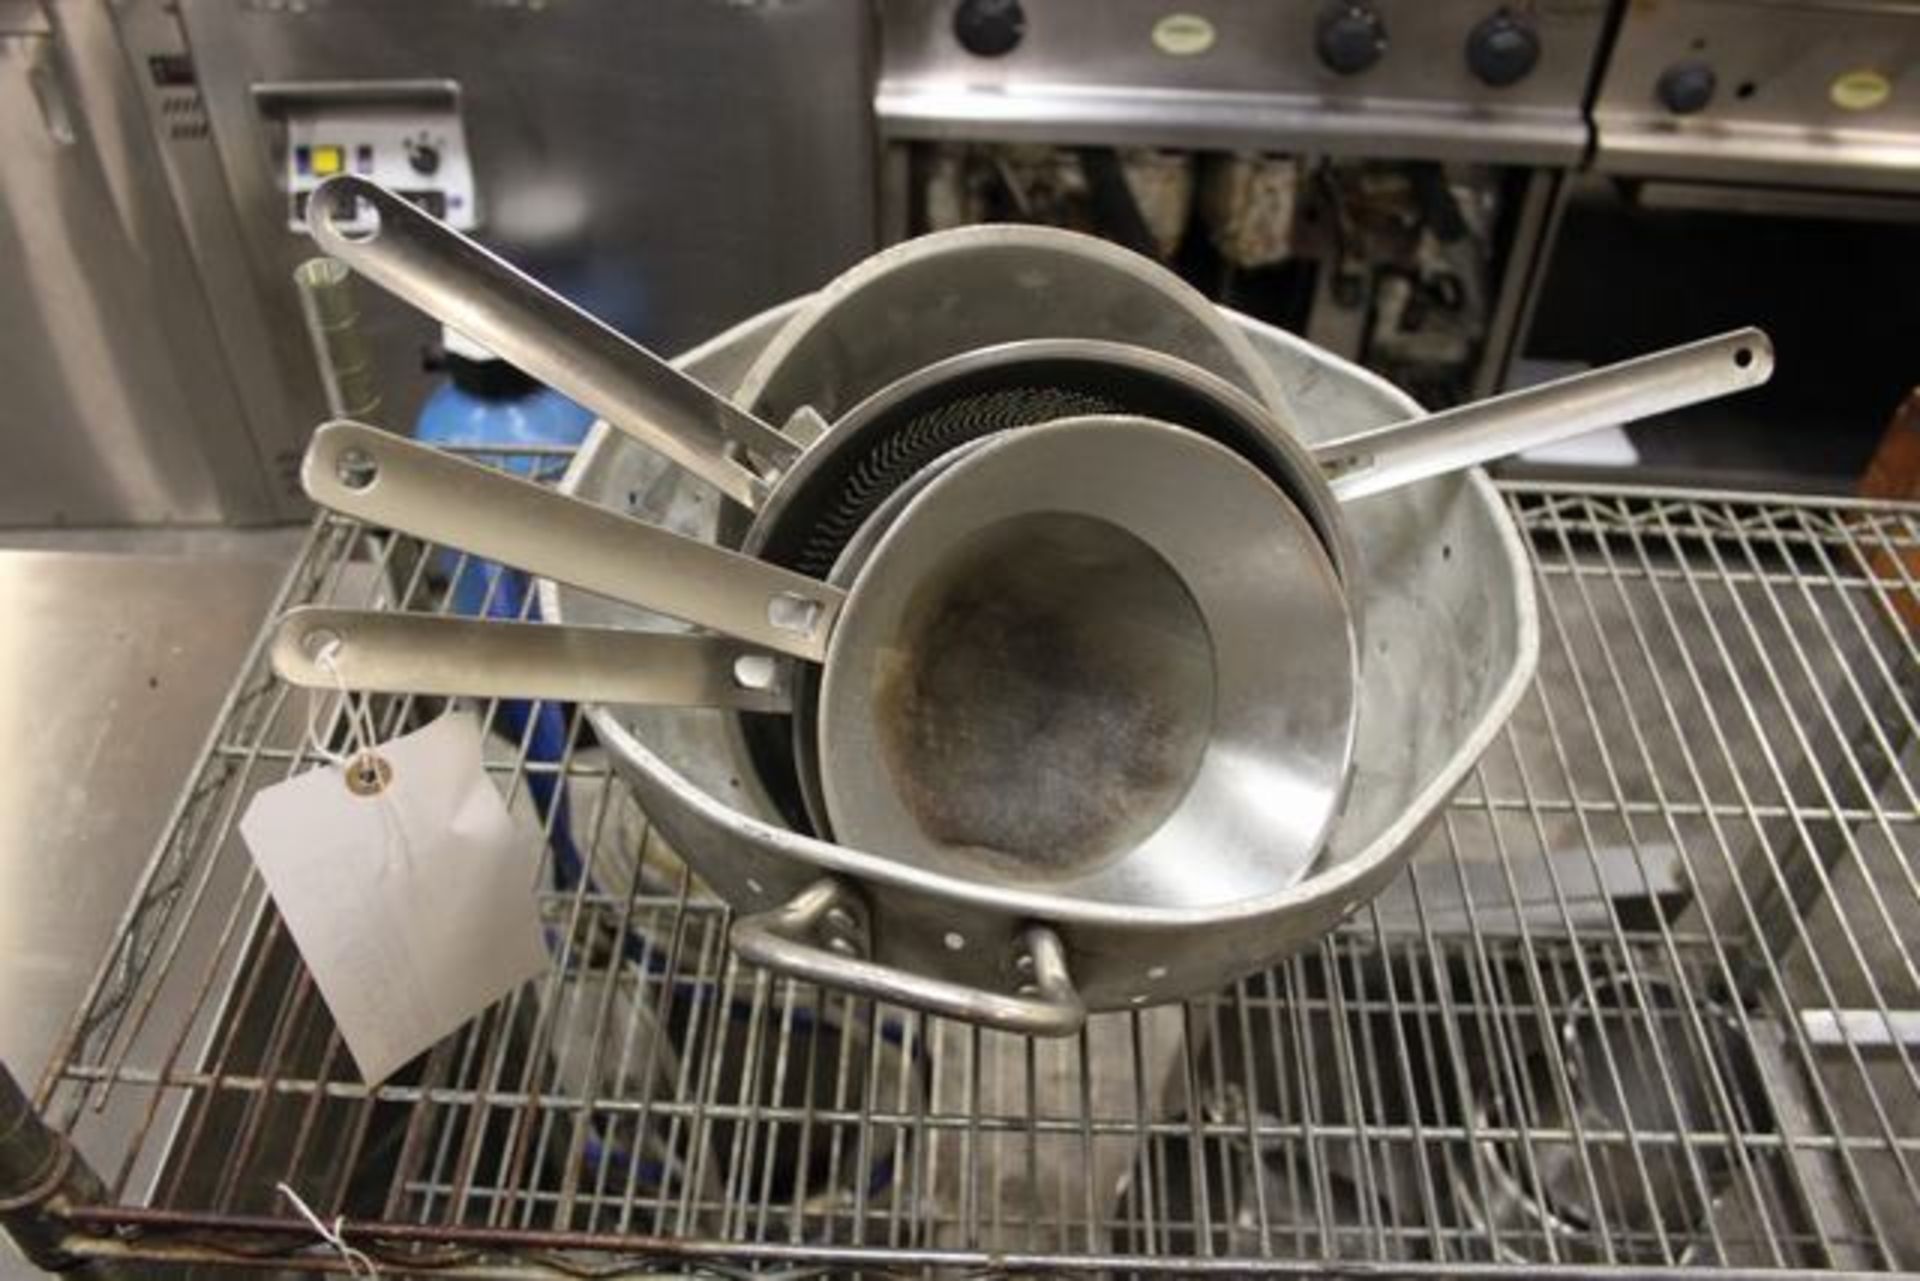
(1819, 93)
(415, 145)
(1442, 79)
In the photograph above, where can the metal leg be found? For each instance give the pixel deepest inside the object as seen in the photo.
(40, 1175)
(1807, 862)
(1541, 206)
(896, 192)
(1824, 1189)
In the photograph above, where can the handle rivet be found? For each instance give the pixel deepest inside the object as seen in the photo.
(355, 468)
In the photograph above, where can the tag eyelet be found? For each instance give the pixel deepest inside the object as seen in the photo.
(368, 774)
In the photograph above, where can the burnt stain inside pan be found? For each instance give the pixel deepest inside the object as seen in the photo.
(1049, 698)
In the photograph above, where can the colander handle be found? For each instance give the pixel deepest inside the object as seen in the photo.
(821, 935)
(1384, 458)
(422, 260)
(390, 481)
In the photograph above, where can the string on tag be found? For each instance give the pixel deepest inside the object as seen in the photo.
(366, 772)
(357, 1261)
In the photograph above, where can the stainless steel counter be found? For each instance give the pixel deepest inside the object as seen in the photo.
(116, 650)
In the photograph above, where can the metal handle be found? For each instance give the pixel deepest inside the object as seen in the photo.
(454, 280)
(388, 480)
(821, 935)
(320, 648)
(1385, 458)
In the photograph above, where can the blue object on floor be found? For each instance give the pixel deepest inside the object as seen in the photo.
(487, 403)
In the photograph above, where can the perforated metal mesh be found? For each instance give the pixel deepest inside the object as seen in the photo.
(904, 451)
(1636, 1003)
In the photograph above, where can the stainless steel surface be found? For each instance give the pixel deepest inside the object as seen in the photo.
(1697, 645)
(119, 406)
(1445, 534)
(1109, 662)
(389, 480)
(1093, 72)
(1805, 93)
(1657, 383)
(329, 649)
(340, 352)
(671, 170)
(427, 263)
(1775, 202)
(109, 668)
(1838, 1029)
(821, 936)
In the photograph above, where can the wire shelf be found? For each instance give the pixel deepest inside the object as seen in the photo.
(1641, 1001)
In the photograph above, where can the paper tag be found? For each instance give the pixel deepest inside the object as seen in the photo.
(412, 904)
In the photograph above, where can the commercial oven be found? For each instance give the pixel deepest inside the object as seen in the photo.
(1377, 174)
(1755, 162)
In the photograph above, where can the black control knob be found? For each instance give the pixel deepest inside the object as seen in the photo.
(424, 157)
(1685, 87)
(989, 28)
(1350, 38)
(1502, 49)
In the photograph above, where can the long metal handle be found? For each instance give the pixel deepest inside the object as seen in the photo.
(387, 480)
(387, 652)
(451, 278)
(1388, 457)
(820, 935)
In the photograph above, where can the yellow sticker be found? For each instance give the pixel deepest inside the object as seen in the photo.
(1183, 35)
(1860, 90)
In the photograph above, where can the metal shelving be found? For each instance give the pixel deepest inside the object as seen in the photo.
(1635, 1005)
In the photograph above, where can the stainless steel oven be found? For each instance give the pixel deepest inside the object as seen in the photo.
(1755, 161)
(1378, 174)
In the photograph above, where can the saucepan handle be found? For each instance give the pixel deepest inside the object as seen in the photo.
(387, 480)
(1384, 458)
(820, 935)
(396, 652)
(429, 264)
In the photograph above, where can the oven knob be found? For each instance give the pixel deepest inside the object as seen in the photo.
(1685, 87)
(1502, 49)
(1350, 38)
(989, 28)
(423, 157)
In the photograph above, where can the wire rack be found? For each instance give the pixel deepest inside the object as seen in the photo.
(1640, 1002)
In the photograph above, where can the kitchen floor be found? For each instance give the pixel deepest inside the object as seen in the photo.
(117, 652)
